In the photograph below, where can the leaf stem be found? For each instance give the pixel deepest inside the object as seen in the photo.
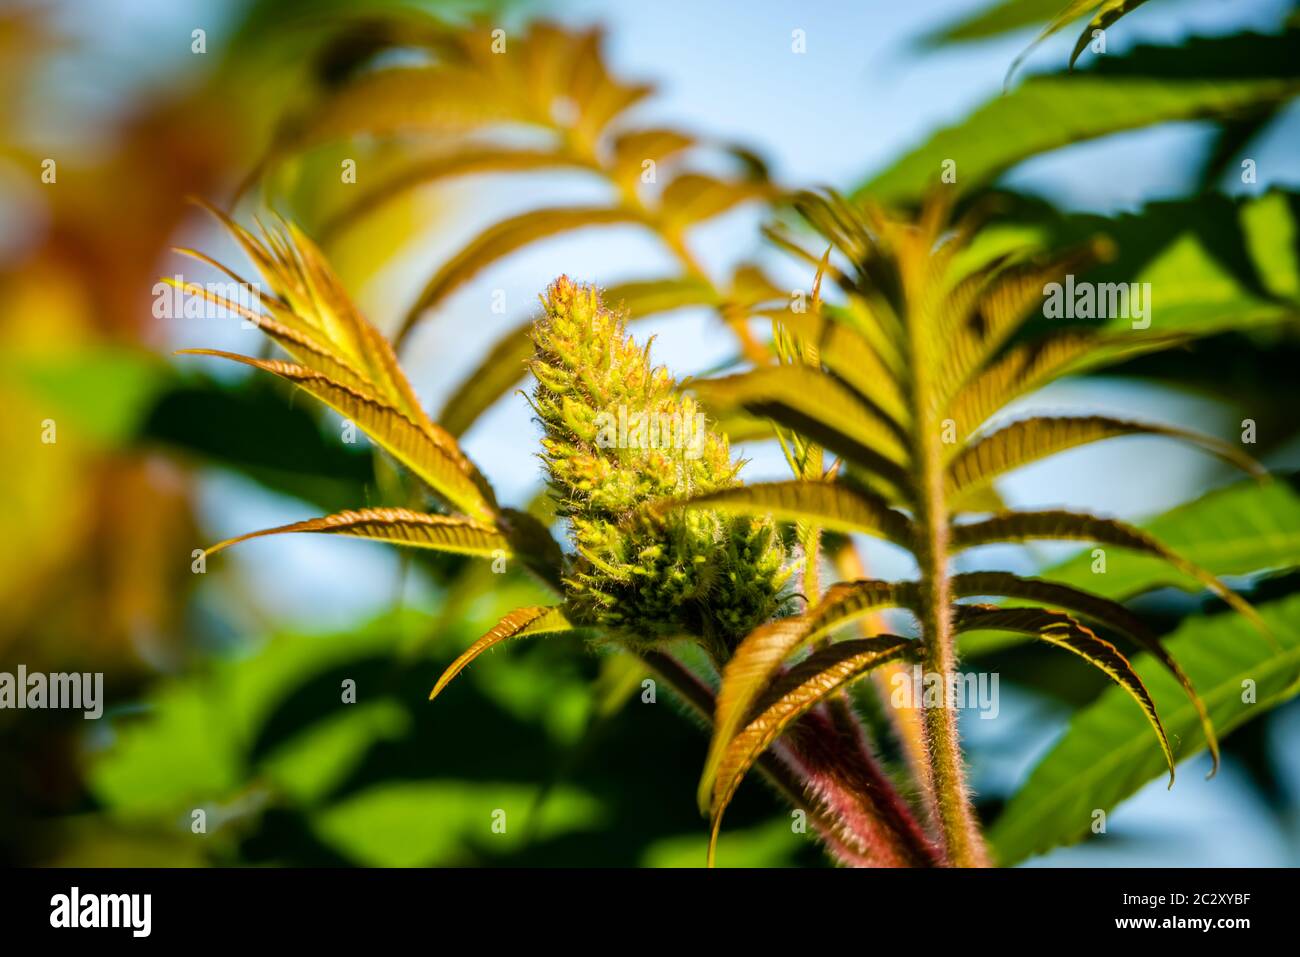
(858, 815)
(957, 822)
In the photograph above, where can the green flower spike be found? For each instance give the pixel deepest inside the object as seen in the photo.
(619, 435)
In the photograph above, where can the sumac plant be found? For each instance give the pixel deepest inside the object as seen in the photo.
(887, 387)
(882, 403)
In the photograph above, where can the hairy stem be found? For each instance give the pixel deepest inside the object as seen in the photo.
(957, 823)
(958, 827)
(907, 724)
(819, 769)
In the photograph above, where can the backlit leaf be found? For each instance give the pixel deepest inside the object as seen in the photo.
(801, 688)
(438, 462)
(1064, 632)
(517, 624)
(1029, 440)
(1106, 753)
(399, 526)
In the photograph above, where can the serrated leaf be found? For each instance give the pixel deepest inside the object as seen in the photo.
(760, 656)
(1242, 528)
(1064, 632)
(829, 505)
(851, 357)
(1106, 753)
(399, 526)
(805, 685)
(814, 404)
(984, 311)
(1029, 440)
(503, 238)
(518, 624)
(1094, 607)
(1066, 526)
(436, 461)
(309, 299)
(1030, 366)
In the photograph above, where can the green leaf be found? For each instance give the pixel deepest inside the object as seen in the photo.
(811, 681)
(423, 823)
(398, 526)
(518, 624)
(1108, 11)
(1211, 78)
(999, 18)
(1107, 754)
(1064, 632)
(829, 505)
(1242, 528)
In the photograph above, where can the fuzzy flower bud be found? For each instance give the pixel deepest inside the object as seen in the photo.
(618, 435)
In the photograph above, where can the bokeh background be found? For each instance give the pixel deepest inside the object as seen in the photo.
(223, 688)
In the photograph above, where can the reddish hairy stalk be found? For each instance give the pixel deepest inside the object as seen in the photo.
(906, 722)
(843, 775)
(828, 772)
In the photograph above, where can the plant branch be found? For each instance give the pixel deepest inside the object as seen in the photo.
(848, 800)
(957, 823)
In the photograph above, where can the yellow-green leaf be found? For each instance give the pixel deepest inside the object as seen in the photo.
(1064, 632)
(1074, 526)
(400, 526)
(1101, 610)
(1029, 440)
(524, 621)
(503, 238)
(760, 655)
(814, 404)
(806, 684)
(829, 505)
(434, 458)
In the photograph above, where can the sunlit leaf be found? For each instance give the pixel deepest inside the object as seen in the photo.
(1101, 610)
(517, 624)
(398, 526)
(802, 687)
(1106, 753)
(830, 505)
(1219, 77)
(759, 657)
(1064, 632)
(467, 162)
(1243, 528)
(816, 405)
(506, 237)
(438, 463)
(1066, 526)
(1029, 440)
